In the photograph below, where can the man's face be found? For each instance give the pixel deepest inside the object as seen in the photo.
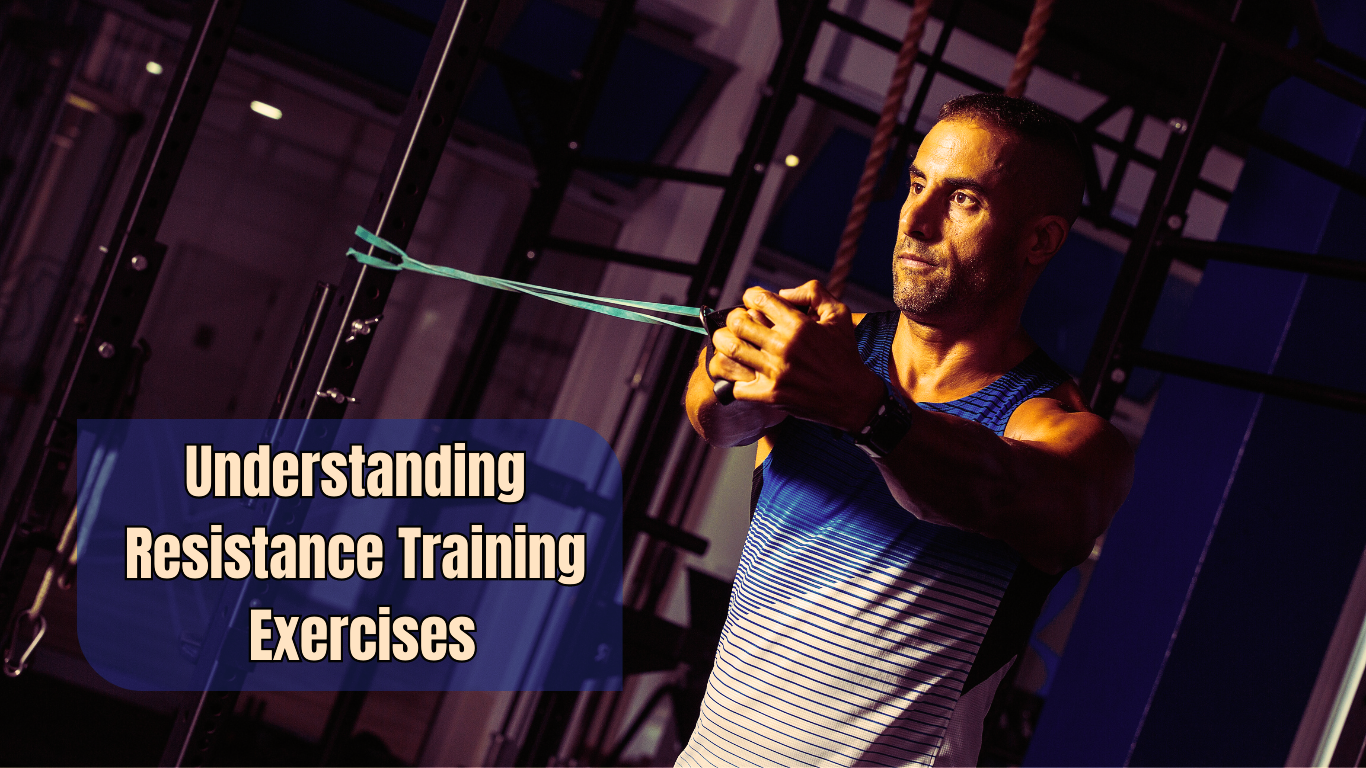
(956, 251)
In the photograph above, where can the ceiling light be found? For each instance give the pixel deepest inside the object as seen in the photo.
(154, 68)
(262, 108)
(792, 161)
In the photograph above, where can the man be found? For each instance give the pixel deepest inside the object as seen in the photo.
(927, 474)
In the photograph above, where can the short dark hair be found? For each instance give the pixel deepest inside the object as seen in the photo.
(1041, 129)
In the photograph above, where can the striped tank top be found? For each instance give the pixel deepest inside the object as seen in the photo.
(854, 628)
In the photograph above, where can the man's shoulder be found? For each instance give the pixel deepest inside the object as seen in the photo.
(1037, 412)
(1060, 419)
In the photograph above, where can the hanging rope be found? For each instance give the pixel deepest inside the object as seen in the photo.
(1029, 47)
(882, 139)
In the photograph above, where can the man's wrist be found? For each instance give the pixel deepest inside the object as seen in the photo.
(885, 428)
(862, 402)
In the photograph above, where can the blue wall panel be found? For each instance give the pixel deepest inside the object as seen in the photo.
(1221, 578)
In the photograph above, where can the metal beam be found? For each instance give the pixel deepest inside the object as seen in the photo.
(100, 358)
(663, 413)
(652, 170)
(552, 182)
(1292, 261)
(1144, 270)
(1242, 378)
(1299, 156)
(323, 390)
(1297, 64)
(827, 98)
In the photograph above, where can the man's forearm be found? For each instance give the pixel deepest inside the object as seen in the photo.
(952, 471)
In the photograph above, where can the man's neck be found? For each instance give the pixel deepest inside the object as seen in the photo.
(939, 363)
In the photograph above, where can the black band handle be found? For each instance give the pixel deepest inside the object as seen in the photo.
(714, 320)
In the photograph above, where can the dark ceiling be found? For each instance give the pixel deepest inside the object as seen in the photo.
(1133, 49)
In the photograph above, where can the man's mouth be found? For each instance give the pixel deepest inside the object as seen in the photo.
(916, 259)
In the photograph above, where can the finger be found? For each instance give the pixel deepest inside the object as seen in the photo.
(754, 390)
(723, 367)
(779, 312)
(760, 335)
(812, 294)
(735, 348)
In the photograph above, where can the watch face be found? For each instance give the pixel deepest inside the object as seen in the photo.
(884, 430)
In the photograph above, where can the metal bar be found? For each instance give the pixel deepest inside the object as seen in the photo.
(1114, 145)
(41, 57)
(419, 143)
(1242, 378)
(1257, 256)
(304, 345)
(857, 28)
(936, 62)
(1213, 190)
(99, 360)
(652, 170)
(838, 103)
(1301, 157)
(891, 177)
(1343, 59)
(1297, 64)
(552, 182)
(400, 16)
(1104, 112)
(969, 79)
(341, 721)
(1127, 150)
(126, 122)
(883, 40)
(605, 253)
(663, 413)
(672, 534)
(1144, 270)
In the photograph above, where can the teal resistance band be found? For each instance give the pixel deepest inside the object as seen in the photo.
(580, 300)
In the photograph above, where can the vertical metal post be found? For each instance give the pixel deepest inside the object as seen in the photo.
(99, 359)
(324, 390)
(1144, 270)
(552, 182)
(663, 411)
(418, 145)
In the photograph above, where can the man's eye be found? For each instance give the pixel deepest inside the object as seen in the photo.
(963, 198)
(917, 187)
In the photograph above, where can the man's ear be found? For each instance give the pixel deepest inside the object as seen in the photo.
(1046, 236)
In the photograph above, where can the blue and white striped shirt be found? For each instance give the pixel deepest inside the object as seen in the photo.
(853, 626)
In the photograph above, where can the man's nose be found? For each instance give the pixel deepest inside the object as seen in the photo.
(920, 218)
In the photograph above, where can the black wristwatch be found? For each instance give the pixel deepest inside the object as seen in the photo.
(888, 424)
